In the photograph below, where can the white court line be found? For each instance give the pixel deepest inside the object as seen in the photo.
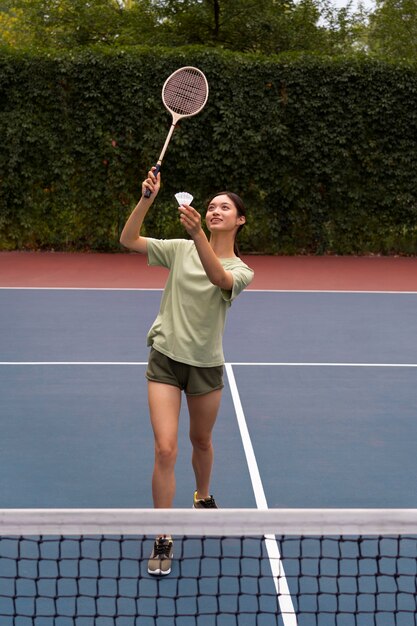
(82, 288)
(232, 363)
(107, 363)
(247, 291)
(280, 581)
(356, 291)
(318, 364)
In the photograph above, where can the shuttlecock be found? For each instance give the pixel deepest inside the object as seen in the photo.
(183, 197)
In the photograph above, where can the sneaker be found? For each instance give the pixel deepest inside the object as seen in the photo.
(160, 561)
(204, 503)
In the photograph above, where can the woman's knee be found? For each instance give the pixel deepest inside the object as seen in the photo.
(166, 453)
(199, 442)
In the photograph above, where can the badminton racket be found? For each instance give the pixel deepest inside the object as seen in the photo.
(184, 94)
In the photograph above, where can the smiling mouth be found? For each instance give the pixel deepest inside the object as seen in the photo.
(215, 219)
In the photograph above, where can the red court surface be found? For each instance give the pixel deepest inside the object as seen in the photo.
(125, 270)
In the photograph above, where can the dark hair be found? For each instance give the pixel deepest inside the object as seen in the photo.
(240, 208)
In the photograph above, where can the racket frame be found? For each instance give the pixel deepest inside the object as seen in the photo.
(176, 116)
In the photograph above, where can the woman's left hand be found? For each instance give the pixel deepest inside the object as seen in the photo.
(190, 219)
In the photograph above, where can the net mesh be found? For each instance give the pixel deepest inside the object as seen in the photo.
(185, 92)
(286, 579)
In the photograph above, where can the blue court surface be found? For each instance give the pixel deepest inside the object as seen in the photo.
(324, 382)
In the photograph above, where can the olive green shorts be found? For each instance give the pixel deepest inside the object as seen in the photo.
(195, 381)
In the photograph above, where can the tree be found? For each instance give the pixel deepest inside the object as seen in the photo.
(266, 26)
(346, 27)
(393, 29)
(14, 26)
(74, 23)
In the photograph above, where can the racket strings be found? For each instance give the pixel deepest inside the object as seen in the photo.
(185, 93)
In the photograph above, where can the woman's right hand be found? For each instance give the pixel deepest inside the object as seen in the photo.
(153, 183)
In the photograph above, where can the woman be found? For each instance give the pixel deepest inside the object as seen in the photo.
(186, 339)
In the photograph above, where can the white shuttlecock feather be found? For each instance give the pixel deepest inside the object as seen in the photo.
(183, 197)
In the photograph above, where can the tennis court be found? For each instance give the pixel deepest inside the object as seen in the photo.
(318, 412)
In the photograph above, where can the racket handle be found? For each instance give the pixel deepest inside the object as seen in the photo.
(147, 193)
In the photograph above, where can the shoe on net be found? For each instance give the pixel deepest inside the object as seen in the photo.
(204, 503)
(160, 561)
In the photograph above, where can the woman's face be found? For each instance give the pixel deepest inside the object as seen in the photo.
(222, 215)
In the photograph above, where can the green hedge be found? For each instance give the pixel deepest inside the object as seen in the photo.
(323, 151)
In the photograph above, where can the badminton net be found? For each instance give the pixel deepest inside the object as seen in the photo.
(301, 567)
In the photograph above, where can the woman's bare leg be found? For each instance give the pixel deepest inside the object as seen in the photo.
(164, 407)
(203, 413)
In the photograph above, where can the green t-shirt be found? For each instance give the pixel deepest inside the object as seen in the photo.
(190, 323)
